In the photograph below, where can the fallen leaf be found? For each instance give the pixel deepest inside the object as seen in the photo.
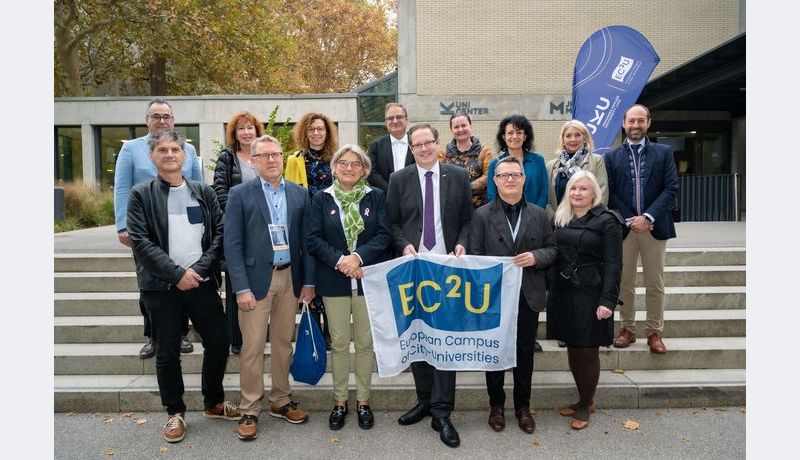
(686, 440)
(141, 421)
(659, 414)
(163, 449)
(618, 371)
(126, 414)
(110, 453)
(604, 411)
(605, 432)
(744, 411)
(335, 440)
(108, 419)
(537, 442)
(721, 409)
(70, 414)
(631, 425)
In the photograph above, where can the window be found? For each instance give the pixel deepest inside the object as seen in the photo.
(68, 154)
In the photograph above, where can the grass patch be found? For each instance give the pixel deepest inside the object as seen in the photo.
(85, 206)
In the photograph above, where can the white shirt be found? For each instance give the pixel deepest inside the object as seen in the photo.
(437, 216)
(399, 151)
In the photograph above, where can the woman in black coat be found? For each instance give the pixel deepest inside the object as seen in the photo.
(586, 275)
(233, 167)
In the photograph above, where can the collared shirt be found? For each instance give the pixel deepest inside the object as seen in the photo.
(276, 202)
(440, 248)
(636, 159)
(513, 211)
(399, 151)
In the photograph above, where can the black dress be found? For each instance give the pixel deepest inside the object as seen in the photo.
(585, 275)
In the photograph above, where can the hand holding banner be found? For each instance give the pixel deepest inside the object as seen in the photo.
(456, 313)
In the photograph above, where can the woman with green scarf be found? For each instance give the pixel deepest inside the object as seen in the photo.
(348, 228)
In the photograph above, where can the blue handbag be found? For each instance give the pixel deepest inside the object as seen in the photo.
(310, 357)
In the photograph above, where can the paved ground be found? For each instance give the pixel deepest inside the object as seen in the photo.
(690, 235)
(708, 433)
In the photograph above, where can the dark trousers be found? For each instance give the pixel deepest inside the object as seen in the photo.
(527, 326)
(232, 314)
(204, 306)
(149, 327)
(435, 387)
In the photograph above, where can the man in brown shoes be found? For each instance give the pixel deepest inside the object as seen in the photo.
(642, 184)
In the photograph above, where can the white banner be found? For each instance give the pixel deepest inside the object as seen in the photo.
(456, 313)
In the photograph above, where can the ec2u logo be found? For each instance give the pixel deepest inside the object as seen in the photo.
(445, 298)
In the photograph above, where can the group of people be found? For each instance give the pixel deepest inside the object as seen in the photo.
(300, 227)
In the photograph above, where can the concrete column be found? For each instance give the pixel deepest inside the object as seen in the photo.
(348, 132)
(88, 155)
(406, 49)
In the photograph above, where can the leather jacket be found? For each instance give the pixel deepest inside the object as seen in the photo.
(148, 227)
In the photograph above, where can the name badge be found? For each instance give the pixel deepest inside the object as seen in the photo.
(279, 237)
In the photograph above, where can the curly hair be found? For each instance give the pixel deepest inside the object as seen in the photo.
(300, 133)
(230, 128)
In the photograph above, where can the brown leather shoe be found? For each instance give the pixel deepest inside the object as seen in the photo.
(224, 410)
(624, 339)
(655, 343)
(569, 411)
(175, 429)
(496, 418)
(248, 428)
(576, 424)
(291, 412)
(581, 418)
(526, 421)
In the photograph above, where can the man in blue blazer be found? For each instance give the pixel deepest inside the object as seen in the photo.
(642, 184)
(271, 271)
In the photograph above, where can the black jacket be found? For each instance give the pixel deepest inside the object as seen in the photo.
(148, 228)
(226, 174)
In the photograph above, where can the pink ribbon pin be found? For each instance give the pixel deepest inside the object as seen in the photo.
(366, 212)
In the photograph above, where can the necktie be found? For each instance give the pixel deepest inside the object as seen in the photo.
(428, 232)
(635, 147)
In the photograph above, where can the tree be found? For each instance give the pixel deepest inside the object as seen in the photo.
(178, 47)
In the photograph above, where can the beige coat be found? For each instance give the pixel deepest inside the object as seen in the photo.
(593, 163)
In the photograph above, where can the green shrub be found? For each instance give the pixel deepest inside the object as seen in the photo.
(86, 206)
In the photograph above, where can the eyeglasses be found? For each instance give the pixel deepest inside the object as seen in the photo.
(426, 145)
(317, 129)
(344, 164)
(160, 117)
(271, 156)
(505, 177)
(395, 118)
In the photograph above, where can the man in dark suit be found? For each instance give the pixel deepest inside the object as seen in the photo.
(270, 271)
(391, 152)
(642, 184)
(509, 226)
(430, 208)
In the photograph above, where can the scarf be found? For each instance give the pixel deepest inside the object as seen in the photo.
(569, 166)
(353, 222)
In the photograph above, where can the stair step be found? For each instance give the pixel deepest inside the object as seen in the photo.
(631, 389)
(677, 323)
(705, 256)
(684, 353)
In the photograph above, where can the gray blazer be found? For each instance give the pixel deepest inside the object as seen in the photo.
(490, 235)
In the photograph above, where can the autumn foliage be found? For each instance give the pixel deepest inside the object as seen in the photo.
(185, 47)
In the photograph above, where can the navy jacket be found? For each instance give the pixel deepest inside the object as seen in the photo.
(248, 248)
(661, 186)
(327, 241)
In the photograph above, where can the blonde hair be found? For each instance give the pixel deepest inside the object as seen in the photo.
(564, 213)
(577, 124)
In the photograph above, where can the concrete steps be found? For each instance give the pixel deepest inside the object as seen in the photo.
(629, 389)
(98, 334)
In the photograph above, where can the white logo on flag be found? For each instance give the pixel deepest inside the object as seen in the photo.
(622, 69)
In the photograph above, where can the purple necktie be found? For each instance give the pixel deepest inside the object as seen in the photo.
(428, 232)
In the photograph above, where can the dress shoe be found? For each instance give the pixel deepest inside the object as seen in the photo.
(525, 419)
(562, 344)
(655, 343)
(336, 419)
(236, 349)
(417, 413)
(248, 428)
(496, 418)
(569, 411)
(148, 350)
(365, 418)
(175, 429)
(447, 432)
(537, 347)
(186, 345)
(624, 339)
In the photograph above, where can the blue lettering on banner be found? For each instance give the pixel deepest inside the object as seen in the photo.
(445, 298)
